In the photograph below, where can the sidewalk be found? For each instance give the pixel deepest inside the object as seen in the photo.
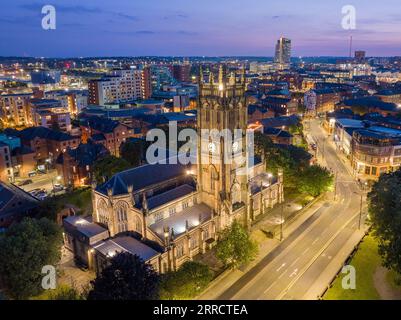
(219, 285)
(335, 266)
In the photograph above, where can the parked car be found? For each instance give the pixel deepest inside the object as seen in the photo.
(25, 182)
(41, 195)
(58, 187)
(31, 174)
(37, 191)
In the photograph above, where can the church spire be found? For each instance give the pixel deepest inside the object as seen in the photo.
(211, 76)
(222, 74)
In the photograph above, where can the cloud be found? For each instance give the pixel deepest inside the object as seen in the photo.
(22, 21)
(64, 8)
(186, 33)
(127, 16)
(144, 32)
(176, 15)
(78, 9)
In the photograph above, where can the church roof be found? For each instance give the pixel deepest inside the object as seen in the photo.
(142, 177)
(194, 216)
(168, 196)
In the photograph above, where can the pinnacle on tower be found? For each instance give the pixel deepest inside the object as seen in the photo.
(222, 74)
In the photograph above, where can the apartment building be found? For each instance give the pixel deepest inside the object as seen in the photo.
(50, 113)
(121, 85)
(14, 109)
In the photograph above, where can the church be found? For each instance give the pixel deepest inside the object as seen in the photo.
(169, 213)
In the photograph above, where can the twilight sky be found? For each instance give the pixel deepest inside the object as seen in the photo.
(197, 27)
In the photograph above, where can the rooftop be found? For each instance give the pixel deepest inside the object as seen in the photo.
(168, 196)
(177, 223)
(84, 226)
(126, 244)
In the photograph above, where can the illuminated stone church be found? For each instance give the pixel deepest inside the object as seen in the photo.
(169, 213)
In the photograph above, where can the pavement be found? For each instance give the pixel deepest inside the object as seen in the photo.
(315, 246)
(70, 274)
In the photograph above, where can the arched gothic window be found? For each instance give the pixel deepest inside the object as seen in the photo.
(103, 213)
(122, 217)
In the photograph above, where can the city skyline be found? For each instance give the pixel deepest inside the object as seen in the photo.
(178, 28)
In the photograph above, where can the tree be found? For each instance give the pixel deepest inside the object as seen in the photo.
(132, 151)
(315, 180)
(126, 277)
(290, 159)
(24, 249)
(190, 280)
(385, 214)
(105, 168)
(235, 246)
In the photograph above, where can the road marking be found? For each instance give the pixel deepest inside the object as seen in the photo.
(316, 240)
(295, 261)
(329, 257)
(280, 276)
(274, 282)
(294, 273)
(306, 250)
(323, 254)
(281, 267)
(305, 268)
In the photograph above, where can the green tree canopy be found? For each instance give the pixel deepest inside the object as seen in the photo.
(385, 215)
(235, 246)
(24, 249)
(126, 277)
(290, 159)
(105, 168)
(315, 180)
(190, 279)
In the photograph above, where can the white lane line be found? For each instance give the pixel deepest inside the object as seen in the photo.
(280, 276)
(274, 282)
(295, 261)
(306, 250)
(281, 267)
(316, 240)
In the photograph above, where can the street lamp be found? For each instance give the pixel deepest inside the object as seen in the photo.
(360, 209)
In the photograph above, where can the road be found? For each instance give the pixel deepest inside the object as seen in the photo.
(299, 268)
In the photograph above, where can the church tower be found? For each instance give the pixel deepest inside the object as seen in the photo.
(222, 110)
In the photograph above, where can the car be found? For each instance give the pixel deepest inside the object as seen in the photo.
(313, 146)
(37, 191)
(25, 182)
(41, 196)
(31, 174)
(58, 187)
